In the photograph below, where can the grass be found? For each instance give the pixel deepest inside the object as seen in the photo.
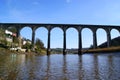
(110, 49)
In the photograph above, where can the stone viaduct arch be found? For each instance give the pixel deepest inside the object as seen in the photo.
(64, 27)
(72, 33)
(56, 33)
(115, 31)
(88, 37)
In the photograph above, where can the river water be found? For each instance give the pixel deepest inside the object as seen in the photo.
(59, 67)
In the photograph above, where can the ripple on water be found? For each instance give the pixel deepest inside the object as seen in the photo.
(69, 67)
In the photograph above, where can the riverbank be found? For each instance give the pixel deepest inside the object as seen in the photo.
(6, 51)
(43, 52)
(103, 50)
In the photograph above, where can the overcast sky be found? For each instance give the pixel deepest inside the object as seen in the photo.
(102, 12)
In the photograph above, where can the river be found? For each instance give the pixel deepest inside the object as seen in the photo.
(58, 67)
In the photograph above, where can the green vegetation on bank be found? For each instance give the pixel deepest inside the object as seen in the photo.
(39, 47)
(114, 43)
(6, 45)
(102, 50)
(114, 47)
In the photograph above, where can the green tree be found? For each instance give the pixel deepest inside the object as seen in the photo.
(39, 46)
(27, 46)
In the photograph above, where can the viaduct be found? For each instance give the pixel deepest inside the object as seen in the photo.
(64, 27)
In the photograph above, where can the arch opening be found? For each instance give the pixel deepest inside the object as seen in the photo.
(41, 36)
(115, 37)
(101, 37)
(87, 38)
(114, 33)
(56, 40)
(25, 38)
(26, 32)
(72, 39)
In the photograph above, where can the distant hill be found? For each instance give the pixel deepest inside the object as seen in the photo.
(114, 42)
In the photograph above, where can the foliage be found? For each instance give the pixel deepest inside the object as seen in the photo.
(15, 39)
(27, 46)
(12, 29)
(39, 46)
(114, 42)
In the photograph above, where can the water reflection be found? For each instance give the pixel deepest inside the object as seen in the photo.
(64, 68)
(96, 67)
(80, 69)
(48, 68)
(60, 67)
